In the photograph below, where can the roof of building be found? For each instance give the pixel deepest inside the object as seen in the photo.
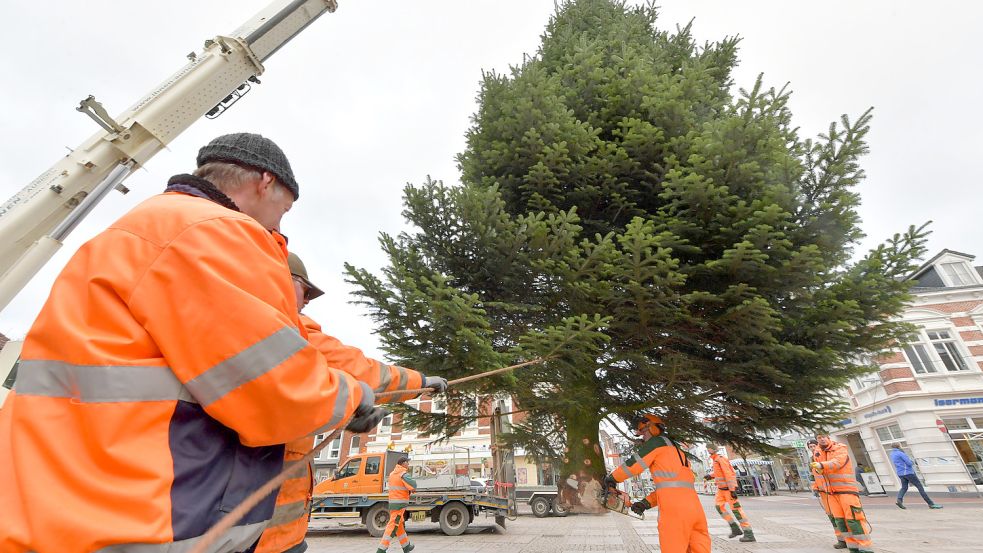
(931, 262)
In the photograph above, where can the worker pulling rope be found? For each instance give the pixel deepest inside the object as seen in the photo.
(269, 487)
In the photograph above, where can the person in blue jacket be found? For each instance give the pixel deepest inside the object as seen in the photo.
(905, 468)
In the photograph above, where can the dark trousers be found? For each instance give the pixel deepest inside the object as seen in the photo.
(912, 479)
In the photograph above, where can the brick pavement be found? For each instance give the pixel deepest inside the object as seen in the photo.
(783, 524)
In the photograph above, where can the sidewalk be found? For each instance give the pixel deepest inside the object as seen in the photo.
(783, 524)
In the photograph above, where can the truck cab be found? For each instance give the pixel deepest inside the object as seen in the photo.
(365, 473)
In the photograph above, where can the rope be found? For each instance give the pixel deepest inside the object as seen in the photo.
(465, 379)
(234, 516)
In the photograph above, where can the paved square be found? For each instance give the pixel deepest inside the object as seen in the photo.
(783, 524)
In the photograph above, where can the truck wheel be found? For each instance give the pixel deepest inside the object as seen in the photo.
(558, 509)
(376, 519)
(454, 518)
(540, 507)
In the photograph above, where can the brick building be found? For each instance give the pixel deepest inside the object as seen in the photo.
(468, 452)
(928, 394)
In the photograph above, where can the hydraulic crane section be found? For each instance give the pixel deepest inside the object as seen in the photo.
(35, 221)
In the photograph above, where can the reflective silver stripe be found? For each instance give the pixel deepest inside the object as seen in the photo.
(663, 474)
(660, 485)
(289, 512)
(340, 404)
(98, 383)
(237, 538)
(838, 474)
(385, 377)
(245, 366)
(634, 456)
(295, 470)
(860, 537)
(404, 379)
(404, 488)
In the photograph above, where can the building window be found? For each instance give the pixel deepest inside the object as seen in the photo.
(918, 357)
(331, 451)
(940, 351)
(958, 274)
(891, 435)
(386, 426)
(356, 442)
(948, 352)
(472, 409)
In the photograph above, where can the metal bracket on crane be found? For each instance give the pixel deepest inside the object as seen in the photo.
(91, 107)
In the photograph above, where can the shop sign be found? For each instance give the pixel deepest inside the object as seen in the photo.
(801, 444)
(877, 413)
(845, 422)
(960, 401)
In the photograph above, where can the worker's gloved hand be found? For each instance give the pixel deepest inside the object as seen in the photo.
(733, 495)
(816, 466)
(609, 482)
(640, 507)
(437, 383)
(367, 415)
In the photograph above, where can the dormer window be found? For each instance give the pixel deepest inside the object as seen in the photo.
(958, 274)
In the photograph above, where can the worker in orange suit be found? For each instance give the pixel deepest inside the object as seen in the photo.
(682, 523)
(726, 501)
(400, 486)
(836, 468)
(288, 527)
(170, 366)
(819, 488)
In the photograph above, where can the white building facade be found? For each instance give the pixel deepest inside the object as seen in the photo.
(927, 396)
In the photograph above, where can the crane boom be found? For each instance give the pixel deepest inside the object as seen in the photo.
(35, 221)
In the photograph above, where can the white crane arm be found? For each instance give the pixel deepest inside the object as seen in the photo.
(35, 221)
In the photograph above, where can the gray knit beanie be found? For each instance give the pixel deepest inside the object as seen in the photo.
(252, 150)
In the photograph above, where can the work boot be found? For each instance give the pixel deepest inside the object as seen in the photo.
(380, 550)
(900, 505)
(840, 545)
(935, 506)
(735, 531)
(409, 547)
(748, 536)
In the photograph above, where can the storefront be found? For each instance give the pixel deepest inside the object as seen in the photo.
(942, 434)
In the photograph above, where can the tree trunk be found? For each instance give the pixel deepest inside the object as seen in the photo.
(583, 464)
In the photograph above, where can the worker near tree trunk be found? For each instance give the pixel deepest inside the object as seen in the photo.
(400, 486)
(682, 523)
(836, 468)
(169, 366)
(288, 526)
(819, 488)
(727, 503)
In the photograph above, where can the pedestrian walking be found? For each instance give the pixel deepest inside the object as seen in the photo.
(905, 469)
(168, 366)
(400, 486)
(727, 504)
(819, 489)
(789, 481)
(682, 522)
(833, 464)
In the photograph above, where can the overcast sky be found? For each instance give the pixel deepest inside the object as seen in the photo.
(380, 93)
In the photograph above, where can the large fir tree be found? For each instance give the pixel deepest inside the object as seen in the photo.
(673, 247)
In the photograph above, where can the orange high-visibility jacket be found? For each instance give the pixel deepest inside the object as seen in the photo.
(670, 472)
(381, 377)
(837, 469)
(400, 486)
(158, 384)
(723, 473)
(289, 524)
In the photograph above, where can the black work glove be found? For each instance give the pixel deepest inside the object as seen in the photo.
(437, 383)
(733, 495)
(367, 415)
(609, 482)
(640, 507)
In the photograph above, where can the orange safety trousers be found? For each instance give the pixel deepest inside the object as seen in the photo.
(725, 501)
(849, 515)
(682, 523)
(824, 500)
(396, 528)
